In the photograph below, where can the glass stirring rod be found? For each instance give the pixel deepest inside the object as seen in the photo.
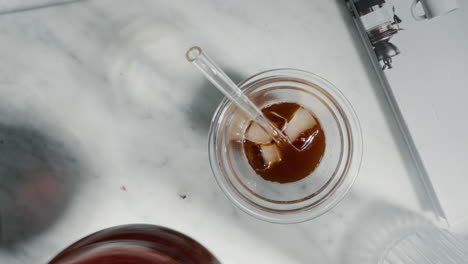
(218, 77)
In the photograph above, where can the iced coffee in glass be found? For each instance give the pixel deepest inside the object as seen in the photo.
(294, 181)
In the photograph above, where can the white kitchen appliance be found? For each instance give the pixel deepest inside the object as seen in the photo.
(425, 79)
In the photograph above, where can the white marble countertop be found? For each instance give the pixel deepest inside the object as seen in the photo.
(108, 80)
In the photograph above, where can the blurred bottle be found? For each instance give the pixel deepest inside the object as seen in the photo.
(37, 179)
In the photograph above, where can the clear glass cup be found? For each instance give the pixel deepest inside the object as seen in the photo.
(325, 186)
(429, 246)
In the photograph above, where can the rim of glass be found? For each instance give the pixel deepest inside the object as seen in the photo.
(331, 198)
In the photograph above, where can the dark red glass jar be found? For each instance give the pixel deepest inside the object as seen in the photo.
(138, 243)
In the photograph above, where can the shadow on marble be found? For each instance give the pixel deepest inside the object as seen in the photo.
(38, 178)
(24, 7)
(205, 102)
(145, 62)
(398, 139)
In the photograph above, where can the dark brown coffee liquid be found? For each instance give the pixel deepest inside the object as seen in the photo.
(297, 161)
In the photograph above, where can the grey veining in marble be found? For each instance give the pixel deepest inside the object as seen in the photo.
(11, 6)
(108, 81)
